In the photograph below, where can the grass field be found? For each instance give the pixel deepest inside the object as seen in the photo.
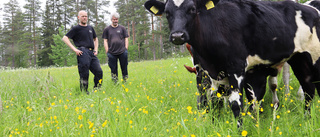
(159, 99)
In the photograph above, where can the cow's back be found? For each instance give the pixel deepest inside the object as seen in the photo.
(271, 31)
(277, 28)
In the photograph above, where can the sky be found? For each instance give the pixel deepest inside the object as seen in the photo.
(43, 2)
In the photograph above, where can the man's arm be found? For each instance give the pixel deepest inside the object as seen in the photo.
(96, 46)
(105, 43)
(66, 40)
(126, 43)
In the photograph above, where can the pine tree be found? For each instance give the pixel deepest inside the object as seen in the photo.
(13, 28)
(33, 14)
(48, 29)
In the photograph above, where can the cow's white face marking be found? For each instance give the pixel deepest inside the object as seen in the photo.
(239, 79)
(255, 60)
(178, 2)
(235, 97)
(305, 39)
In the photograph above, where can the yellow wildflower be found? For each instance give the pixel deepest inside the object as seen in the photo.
(218, 95)
(84, 111)
(244, 133)
(80, 117)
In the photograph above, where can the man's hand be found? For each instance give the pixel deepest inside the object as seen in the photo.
(78, 52)
(95, 53)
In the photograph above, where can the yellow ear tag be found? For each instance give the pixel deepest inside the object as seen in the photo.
(154, 10)
(209, 5)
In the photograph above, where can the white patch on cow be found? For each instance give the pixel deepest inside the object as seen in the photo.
(254, 98)
(178, 2)
(238, 123)
(235, 97)
(305, 40)
(255, 60)
(239, 79)
(274, 81)
(216, 83)
(275, 38)
(307, 79)
(300, 94)
(252, 94)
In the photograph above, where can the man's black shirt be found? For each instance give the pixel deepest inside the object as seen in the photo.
(82, 36)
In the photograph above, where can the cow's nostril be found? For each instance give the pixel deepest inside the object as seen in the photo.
(177, 35)
(177, 38)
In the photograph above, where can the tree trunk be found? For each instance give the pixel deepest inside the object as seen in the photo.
(161, 43)
(77, 10)
(12, 40)
(96, 12)
(153, 46)
(34, 37)
(128, 26)
(133, 33)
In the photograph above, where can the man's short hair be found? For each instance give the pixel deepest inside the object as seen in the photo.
(115, 14)
(81, 11)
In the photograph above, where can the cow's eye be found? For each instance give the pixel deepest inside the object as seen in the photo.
(192, 10)
(168, 14)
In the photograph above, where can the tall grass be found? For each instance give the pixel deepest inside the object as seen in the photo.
(159, 99)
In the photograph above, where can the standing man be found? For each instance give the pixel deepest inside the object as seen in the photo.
(85, 39)
(116, 45)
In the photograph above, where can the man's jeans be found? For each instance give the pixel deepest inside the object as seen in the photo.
(88, 61)
(113, 64)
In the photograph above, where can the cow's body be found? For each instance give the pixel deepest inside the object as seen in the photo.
(247, 41)
(208, 93)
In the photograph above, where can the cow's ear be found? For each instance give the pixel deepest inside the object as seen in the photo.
(155, 7)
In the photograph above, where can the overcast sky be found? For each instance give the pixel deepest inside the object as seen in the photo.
(43, 3)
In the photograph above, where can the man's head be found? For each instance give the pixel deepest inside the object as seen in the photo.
(114, 19)
(83, 17)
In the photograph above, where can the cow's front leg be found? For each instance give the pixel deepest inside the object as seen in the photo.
(273, 84)
(235, 97)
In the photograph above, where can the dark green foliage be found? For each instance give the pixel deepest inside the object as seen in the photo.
(61, 54)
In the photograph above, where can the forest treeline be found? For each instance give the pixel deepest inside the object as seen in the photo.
(31, 35)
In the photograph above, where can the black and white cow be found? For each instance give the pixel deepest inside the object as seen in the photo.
(247, 41)
(206, 88)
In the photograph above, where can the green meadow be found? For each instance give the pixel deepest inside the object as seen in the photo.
(159, 99)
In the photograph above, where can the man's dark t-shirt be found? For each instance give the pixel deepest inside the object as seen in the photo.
(82, 36)
(116, 39)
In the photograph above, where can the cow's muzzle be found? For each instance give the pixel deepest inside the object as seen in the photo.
(178, 38)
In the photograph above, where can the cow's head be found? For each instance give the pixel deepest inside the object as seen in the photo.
(181, 16)
(209, 89)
